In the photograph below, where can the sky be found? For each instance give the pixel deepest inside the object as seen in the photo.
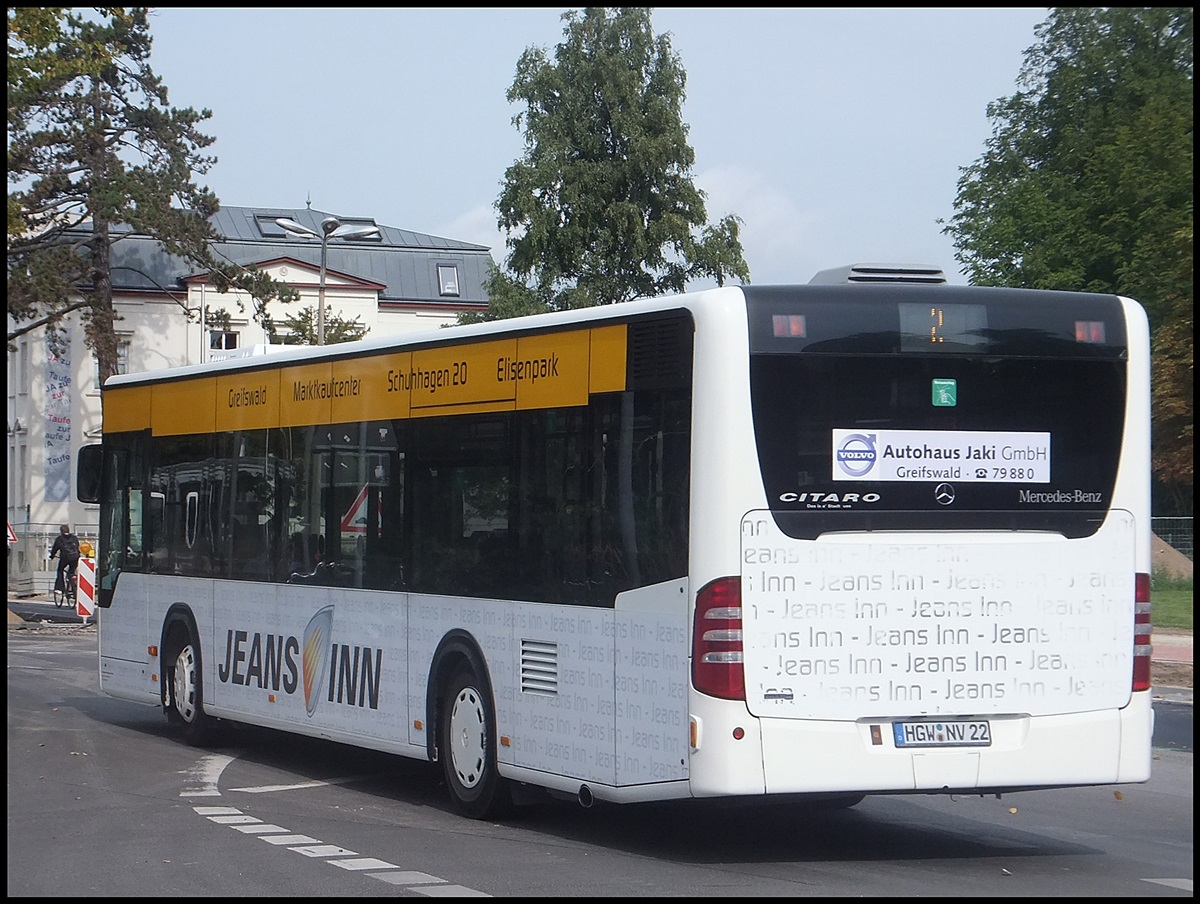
(837, 136)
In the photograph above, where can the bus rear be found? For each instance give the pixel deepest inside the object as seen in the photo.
(946, 587)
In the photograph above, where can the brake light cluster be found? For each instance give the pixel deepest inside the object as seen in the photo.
(717, 667)
(1142, 629)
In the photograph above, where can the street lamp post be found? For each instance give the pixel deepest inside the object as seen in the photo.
(331, 228)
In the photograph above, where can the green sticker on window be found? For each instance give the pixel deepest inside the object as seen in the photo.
(945, 393)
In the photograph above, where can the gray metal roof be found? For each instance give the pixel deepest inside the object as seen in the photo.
(403, 261)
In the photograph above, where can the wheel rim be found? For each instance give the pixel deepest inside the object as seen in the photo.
(185, 684)
(467, 745)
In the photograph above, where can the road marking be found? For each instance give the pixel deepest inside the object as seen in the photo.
(449, 891)
(299, 786)
(205, 775)
(323, 850)
(406, 877)
(1181, 884)
(414, 880)
(361, 863)
(288, 839)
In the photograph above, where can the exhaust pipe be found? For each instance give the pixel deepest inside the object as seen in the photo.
(585, 796)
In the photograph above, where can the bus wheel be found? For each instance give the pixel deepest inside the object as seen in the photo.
(187, 696)
(468, 749)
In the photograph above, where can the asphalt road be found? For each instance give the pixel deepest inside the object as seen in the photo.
(105, 799)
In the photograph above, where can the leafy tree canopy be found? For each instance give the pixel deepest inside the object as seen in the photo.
(302, 327)
(93, 144)
(601, 207)
(1086, 184)
(507, 297)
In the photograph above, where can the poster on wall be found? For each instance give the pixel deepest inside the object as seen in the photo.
(58, 427)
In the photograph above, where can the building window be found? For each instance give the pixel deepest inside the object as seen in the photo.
(448, 279)
(122, 361)
(269, 228)
(222, 340)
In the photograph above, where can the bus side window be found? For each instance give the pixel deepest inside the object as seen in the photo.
(137, 527)
(156, 532)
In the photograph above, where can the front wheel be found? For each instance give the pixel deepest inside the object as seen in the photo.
(468, 749)
(186, 689)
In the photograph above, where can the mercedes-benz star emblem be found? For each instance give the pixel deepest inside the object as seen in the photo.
(944, 494)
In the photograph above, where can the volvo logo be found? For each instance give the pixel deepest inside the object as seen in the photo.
(856, 455)
(944, 494)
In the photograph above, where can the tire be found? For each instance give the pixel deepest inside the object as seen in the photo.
(185, 689)
(467, 742)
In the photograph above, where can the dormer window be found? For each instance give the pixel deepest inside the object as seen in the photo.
(447, 279)
(268, 228)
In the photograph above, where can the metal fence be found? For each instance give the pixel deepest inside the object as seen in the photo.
(1175, 532)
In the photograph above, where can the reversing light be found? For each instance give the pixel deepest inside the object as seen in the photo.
(790, 326)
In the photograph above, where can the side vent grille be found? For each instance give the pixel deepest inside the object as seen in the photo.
(539, 667)
(660, 353)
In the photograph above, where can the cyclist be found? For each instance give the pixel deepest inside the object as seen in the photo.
(66, 547)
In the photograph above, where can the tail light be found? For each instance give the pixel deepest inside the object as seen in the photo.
(1141, 633)
(717, 640)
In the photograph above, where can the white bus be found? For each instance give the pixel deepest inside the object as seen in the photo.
(871, 534)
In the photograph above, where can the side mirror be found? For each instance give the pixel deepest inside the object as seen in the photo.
(89, 472)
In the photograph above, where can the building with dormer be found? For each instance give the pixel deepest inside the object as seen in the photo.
(393, 281)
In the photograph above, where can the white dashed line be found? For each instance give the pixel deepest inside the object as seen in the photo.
(414, 880)
(406, 877)
(449, 891)
(289, 839)
(361, 863)
(323, 850)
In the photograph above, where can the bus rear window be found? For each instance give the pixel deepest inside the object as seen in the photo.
(951, 421)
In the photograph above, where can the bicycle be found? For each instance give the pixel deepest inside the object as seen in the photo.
(66, 595)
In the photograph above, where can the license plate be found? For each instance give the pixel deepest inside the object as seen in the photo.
(954, 733)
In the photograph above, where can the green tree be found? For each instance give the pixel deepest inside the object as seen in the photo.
(601, 207)
(96, 152)
(1086, 184)
(507, 297)
(302, 327)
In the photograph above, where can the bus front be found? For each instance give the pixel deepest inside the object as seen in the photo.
(945, 586)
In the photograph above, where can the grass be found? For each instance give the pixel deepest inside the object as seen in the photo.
(1171, 601)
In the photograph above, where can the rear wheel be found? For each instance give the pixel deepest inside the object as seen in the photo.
(468, 748)
(186, 703)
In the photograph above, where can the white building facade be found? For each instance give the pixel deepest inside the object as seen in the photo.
(393, 283)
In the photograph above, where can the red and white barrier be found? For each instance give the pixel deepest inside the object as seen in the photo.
(85, 595)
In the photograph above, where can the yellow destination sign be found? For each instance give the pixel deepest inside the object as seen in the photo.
(539, 371)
